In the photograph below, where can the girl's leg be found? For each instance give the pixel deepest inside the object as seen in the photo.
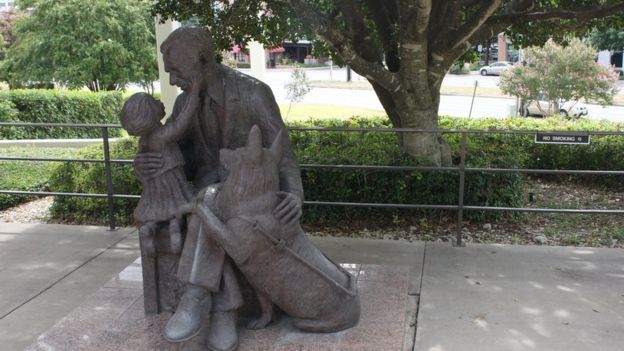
(147, 234)
(175, 235)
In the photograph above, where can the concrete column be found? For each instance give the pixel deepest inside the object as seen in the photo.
(257, 60)
(502, 47)
(168, 93)
(604, 58)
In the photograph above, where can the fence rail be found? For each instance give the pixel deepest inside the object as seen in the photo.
(461, 169)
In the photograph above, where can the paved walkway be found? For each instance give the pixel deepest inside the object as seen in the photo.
(481, 297)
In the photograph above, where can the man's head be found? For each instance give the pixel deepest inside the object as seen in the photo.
(187, 52)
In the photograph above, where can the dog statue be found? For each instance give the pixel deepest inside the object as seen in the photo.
(279, 261)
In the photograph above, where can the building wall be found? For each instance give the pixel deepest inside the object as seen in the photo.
(502, 47)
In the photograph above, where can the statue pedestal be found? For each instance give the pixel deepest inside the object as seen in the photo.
(114, 319)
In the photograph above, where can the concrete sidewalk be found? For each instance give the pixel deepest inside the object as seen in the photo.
(481, 297)
(48, 270)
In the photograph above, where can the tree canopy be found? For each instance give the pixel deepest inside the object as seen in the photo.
(403, 47)
(101, 44)
(607, 39)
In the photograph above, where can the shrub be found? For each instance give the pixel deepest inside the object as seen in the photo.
(603, 152)
(90, 178)
(53, 106)
(22, 176)
(433, 187)
(346, 185)
(560, 74)
(459, 68)
(365, 148)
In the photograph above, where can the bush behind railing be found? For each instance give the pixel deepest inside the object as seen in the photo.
(373, 148)
(58, 106)
(356, 148)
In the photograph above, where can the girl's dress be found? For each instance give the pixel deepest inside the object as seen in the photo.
(166, 191)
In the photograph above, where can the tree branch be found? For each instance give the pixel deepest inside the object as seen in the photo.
(415, 16)
(386, 18)
(498, 23)
(584, 13)
(466, 30)
(328, 29)
(357, 31)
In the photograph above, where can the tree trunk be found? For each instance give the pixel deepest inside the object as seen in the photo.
(414, 111)
(428, 147)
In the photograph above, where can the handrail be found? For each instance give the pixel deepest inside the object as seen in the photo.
(460, 169)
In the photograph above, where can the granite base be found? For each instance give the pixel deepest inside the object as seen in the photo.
(114, 319)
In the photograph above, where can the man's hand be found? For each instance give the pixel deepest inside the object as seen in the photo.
(289, 209)
(147, 164)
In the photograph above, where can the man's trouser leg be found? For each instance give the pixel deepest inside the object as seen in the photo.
(206, 271)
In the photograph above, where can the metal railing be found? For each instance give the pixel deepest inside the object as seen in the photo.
(461, 169)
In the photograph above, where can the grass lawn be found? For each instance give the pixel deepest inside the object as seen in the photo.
(27, 175)
(307, 111)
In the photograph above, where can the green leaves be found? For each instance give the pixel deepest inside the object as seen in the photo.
(101, 44)
(52, 106)
(560, 74)
(607, 39)
(237, 22)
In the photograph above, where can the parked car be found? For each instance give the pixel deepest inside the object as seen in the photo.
(496, 68)
(573, 109)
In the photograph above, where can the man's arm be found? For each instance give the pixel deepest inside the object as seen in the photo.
(268, 112)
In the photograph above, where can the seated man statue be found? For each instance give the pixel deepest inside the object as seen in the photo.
(229, 105)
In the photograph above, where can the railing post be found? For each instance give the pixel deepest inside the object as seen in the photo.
(462, 179)
(109, 180)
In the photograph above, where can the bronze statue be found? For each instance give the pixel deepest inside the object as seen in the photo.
(200, 282)
(165, 191)
(278, 260)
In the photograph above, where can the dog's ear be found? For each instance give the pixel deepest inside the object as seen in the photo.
(278, 146)
(253, 151)
(226, 158)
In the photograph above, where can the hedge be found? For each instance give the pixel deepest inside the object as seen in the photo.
(54, 106)
(367, 148)
(603, 153)
(90, 178)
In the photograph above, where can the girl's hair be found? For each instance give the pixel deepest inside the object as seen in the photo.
(138, 114)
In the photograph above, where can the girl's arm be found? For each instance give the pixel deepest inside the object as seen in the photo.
(174, 130)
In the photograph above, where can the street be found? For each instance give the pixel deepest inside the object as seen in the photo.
(452, 105)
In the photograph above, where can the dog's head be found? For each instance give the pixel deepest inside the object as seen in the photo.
(252, 170)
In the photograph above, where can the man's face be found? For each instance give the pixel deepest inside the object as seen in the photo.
(182, 66)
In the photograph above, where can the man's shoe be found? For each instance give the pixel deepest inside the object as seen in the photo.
(222, 334)
(186, 321)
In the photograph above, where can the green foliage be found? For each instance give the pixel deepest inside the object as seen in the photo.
(27, 175)
(470, 56)
(560, 74)
(54, 106)
(319, 184)
(603, 152)
(403, 48)
(90, 178)
(237, 22)
(459, 68)
(607, 39)
(298, 86)
(530, 33)
(407, 187)
(7, 28)
(383, 186)
(101, 44)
